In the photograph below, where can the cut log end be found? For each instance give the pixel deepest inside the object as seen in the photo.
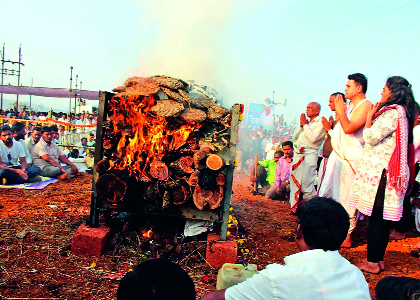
(159, 170)
(111, 187)
(102, 166)
(184, 165)
(214, 162)
(194, 178)
(211, 197)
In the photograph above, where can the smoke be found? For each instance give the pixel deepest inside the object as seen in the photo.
(189, 41)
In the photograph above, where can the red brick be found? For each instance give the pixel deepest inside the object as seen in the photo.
(90, 241)
(220, 252)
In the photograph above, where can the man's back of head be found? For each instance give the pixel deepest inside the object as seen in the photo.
(324, 223)
(156, 279)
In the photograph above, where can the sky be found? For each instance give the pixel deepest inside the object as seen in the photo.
(301, 49)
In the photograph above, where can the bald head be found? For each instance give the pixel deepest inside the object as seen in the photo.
(312, 110)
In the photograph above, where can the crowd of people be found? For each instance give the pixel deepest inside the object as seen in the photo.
(365, 157)
(26, 153)
(84, 118)
(363, 160)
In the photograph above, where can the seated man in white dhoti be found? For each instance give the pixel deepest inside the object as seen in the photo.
(347, 139)
(307, 140)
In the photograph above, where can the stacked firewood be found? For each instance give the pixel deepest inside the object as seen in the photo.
(162, 147)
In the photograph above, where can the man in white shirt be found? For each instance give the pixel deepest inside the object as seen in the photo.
(19, 133)
(270, 148)
(307, 139)
(13, 166)
(79, 121)
(48, 157)
(317, 272)
(42, 117)
(83, 146)
(33, 139)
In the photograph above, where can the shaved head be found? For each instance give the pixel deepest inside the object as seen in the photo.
(316, 105)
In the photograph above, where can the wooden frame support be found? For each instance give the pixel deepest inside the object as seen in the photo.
(104, 97)
(230, 168)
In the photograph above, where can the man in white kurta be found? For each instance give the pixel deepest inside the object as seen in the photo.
(307, 140)
(347, 139)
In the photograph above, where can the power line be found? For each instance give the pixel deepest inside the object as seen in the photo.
(350, 43)
(332, 22)
(347, 26)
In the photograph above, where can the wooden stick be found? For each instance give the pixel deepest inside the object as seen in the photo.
(255, 173)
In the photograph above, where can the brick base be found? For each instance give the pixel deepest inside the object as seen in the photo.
(220, 252)
(90, 241)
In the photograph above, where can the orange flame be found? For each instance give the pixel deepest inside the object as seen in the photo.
(148, 234)
(144, 137)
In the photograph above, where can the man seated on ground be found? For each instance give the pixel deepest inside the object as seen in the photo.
(13, 166)
(264, 177)
(91, 142)
(156, 279)
(82, 147)
(317, 272)
(281, 186)
(19, 133)
(33, 139)
(47, 155)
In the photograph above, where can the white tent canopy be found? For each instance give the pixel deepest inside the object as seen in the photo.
(48, 92)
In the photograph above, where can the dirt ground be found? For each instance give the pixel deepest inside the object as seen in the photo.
(36, 229)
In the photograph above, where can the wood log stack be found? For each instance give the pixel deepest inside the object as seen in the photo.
(162, 147)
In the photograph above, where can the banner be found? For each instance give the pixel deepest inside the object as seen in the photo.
(255, 112)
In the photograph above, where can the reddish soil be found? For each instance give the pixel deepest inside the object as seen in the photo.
(36, 228)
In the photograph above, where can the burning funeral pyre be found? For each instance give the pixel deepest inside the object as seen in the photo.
(162, 147)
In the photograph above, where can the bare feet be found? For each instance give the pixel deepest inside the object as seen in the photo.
(380, 263)
(369, 267)
(347, 242)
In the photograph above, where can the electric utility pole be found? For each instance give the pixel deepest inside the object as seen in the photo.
(71, 80)
(11, 72)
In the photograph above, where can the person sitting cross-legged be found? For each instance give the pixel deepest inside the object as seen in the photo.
(317, 272)
(13, 166)
(48, 156)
